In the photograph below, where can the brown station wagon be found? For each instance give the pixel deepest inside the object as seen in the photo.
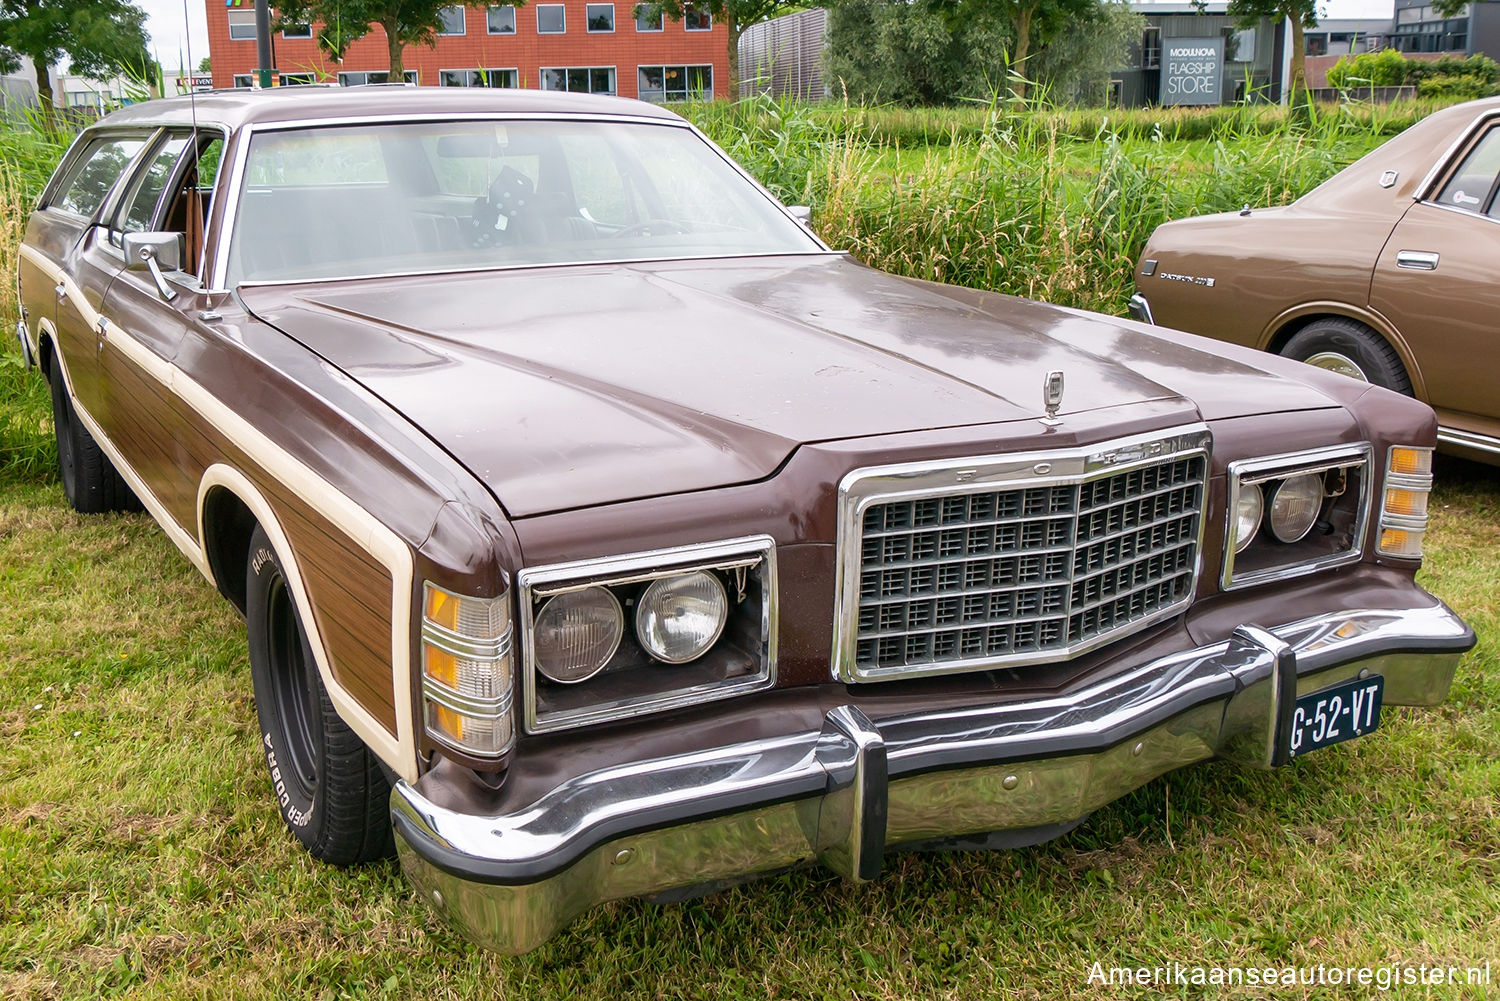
(1386, 272)
(599, 532)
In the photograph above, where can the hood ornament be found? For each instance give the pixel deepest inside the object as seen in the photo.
(1052, 390)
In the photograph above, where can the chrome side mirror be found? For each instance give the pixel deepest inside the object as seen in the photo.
(801, 213)
(155, 252)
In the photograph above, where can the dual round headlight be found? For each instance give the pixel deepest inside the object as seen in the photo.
(1293, 510)
(677, 619)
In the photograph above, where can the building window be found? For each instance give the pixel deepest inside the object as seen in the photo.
(579, 80)
(1151, 48)
(600, 16)
(1239, 47)
(551, 19)
(297, 31)
(674, 83)
(479, 78)
(696, 20)
(244, 80)
(242, 25)
(355, 79)
(451, 20)
(297, 79)
(648, 18)
(500, 20)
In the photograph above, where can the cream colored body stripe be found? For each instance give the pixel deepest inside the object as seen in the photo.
(398, 751)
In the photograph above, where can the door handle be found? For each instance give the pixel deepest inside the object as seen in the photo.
(1417, 260)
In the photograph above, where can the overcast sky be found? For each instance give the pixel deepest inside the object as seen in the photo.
(175, 29)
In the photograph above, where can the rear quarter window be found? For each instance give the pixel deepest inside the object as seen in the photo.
(90, 178)
(1472, 186)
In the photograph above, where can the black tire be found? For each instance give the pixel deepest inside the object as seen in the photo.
(90, 480)
(1333, 342)
(329, 787)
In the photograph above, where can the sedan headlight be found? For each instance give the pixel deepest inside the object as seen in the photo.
(704, 629)
(1295, 514)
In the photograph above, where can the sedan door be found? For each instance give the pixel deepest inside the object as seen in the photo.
(1438, 280)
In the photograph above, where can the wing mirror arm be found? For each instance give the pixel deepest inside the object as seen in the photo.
(149, 252)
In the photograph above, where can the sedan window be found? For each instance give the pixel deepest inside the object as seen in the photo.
(353, 201)
(1472, 186)
(139, 210)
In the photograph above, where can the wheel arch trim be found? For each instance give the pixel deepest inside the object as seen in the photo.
(1306, 312)
(398, 749)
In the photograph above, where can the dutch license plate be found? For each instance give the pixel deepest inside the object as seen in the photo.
(1335, 714)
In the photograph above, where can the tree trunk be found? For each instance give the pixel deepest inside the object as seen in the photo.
(44, 95)
(1298, 71)
(735, 31)
(1022, 24)
(397, 50)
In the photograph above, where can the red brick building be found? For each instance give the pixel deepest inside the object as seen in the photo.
(576, 45)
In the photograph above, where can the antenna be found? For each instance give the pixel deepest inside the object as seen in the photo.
(194, 206)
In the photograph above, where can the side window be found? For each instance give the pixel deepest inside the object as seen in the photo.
(138, 211)
(95, 173)
(1472, 186)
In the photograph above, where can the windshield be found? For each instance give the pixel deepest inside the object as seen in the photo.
(434, 196)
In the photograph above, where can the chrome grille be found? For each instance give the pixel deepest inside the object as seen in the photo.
(986, 577)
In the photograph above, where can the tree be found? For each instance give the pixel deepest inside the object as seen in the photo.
(405, 22)
(1303, 14)
(911, 52)
(737, 15)
(1033, 23)
(98, 37)
(1077, 66)
(203, 65)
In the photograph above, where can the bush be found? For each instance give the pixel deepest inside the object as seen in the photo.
(1448, 77)
(1386, 68)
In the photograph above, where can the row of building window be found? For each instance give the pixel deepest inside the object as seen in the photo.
(653, 83)
(551, 19)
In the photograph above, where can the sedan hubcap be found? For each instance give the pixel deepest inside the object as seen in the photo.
(1335, 362)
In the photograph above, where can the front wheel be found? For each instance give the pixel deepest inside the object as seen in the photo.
(329, 787)
(1349, 348)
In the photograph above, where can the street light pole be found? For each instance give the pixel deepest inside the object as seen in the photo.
(264, 67)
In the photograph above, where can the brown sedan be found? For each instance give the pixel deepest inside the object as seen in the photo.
(1386, 272)
(599, 532)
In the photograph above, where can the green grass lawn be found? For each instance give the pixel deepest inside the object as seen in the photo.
(141, 855)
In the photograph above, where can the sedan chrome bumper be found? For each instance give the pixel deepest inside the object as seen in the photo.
(845, 795)
(1140, 309)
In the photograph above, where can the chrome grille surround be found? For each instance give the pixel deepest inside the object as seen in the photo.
(994, 561)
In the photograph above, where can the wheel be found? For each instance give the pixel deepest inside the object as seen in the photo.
(1349, 348)
(330, 788)
(90, 480)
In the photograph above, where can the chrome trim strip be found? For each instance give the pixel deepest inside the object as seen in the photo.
(468, 705)
(883, 484)
(1468, 439)
(723, 813)
(635, 567)
(466, 647)
(1262, 468)
(1441, 164)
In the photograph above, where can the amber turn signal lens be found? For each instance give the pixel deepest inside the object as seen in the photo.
(1406, 502)
(1401, 542)
(442, 608)
(1412, 461)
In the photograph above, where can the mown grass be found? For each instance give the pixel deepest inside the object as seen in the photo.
(141, 854)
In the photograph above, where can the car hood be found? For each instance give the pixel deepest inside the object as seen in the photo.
(582, 385)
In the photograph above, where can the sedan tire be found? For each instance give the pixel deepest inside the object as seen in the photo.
(1349, 348)
(329, 787)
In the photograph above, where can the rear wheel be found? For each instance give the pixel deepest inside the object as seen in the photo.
(1349, 348)
(329, 787)
(89, 479)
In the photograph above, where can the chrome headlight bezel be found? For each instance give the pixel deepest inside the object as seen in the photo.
(1264, 470)
(753, 554)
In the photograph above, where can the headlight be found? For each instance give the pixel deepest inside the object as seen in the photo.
(1295, 504)
(1247, 516)
(678, 618)
(576, 634)
(467, 672)
(707, 609)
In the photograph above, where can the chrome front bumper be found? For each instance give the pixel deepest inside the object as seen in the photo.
(1140, 309)
(845, 795)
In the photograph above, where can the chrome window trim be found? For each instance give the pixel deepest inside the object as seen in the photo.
(1260, 468)
(1423, 191)
(241, 142)
(882, 484)
(633, 567)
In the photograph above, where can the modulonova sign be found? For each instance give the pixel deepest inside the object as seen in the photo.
(1192, 71)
